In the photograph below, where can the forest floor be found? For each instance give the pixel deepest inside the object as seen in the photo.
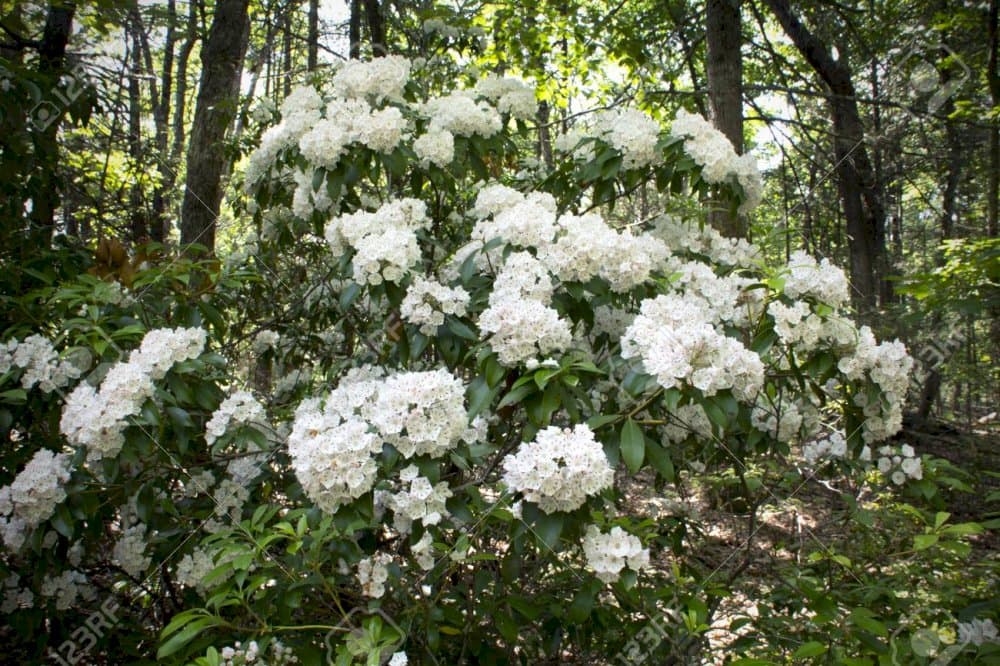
(797, 521)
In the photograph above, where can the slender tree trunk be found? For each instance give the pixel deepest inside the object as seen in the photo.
(993, 78)
(287, 51)
(859, 190)
(180, 98)
(161, 111)
(137, 216)
(376, 27)
(354, 30)
(51, 62)
(222, 60)
(312, 61)
(724, 70)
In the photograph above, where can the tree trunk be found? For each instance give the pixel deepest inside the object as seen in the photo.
(993, 78)
(161, 111)
(180, 98)
(222, 60)
(51, 60)
(312, 61)
(137, 216)
(354, 31)
(859, 190)
(376, 27)
(724, 70)
(286, 50)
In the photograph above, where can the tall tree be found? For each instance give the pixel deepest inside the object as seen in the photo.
(312, 41)
(859, 191)
(51, 65)
(993, 79)
(724, 70)
(215, 109)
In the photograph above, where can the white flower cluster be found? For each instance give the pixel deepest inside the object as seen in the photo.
(420, 413)
(240, 408)
(66, 588)
(611, 321)
(888, 365)
(607, 554)
(300, 112)
(632, 133)
(331, 456)
(33, 495)
(130, 551)
(237, 655)
(823, 281)
(687, 420)
(40, 363)
(559, 469)
(435, 146)
(900, 464)
(587, 247)
(194, 568)
(833, 446)
(461, 115)
(782, 421)
(713, 151)
(373, 572)
(723, 299)
(378, 79)
(421, 501)
(509, 95)
(428, 301)
(681, 235)
(676, 342)
(385, 241)
(97, 419)
(15, 596)
(522, 325)
(525, 221)
(332, 444)
(423, 551)
(266, 340)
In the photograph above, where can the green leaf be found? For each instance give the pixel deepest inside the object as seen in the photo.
(863, 619)
(633, 445)
(583, 602)
(924, 541)
(810, 649)
(549, 527)
(480, 396)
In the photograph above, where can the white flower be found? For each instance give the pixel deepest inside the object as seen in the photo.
(436, 146)
(96, 419)
(33, 496)
(607, 554)
(399, 659)
(428, 301)
(559, 469)
(378, 79)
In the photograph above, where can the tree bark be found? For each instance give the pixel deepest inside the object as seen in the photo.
(137, 215)
(858, 188)
(161, 112)
(354, 31)
(724, 70)
(376, 27)
(312, 61)
(51, 61)
(222, 60)
(993, 78)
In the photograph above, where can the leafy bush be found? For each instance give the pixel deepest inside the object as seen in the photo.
(405, 416)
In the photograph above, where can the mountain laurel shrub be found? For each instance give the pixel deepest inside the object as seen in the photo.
(399, 420)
